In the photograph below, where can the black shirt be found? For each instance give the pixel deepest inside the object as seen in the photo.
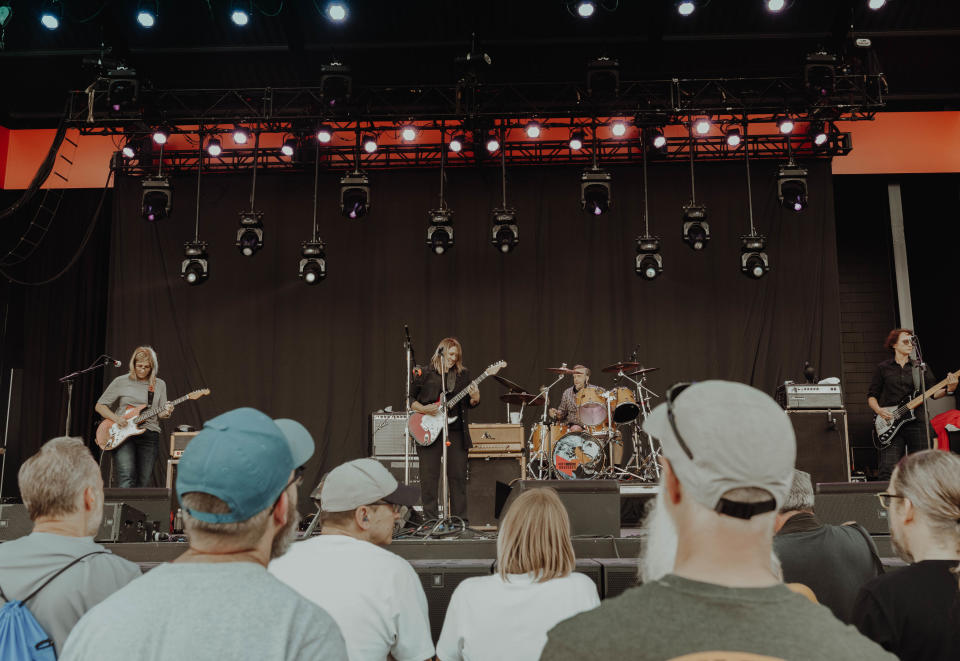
(913, 612)
(426, 390)
(891, 383)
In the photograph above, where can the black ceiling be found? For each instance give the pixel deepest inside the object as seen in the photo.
(390, 42)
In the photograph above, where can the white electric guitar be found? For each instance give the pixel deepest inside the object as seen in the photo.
(426, 429)
(110, 435)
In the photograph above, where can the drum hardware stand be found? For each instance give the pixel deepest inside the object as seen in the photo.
(613, 471)
(634, 467)
(541, 458)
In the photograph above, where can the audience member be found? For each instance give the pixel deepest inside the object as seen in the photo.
(833, 561)
(728, 453)
(507, 615)
(915, 612)
(374, 595)
(237, 485)
(63, 493)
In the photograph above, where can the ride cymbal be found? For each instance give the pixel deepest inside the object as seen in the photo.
(618, 367)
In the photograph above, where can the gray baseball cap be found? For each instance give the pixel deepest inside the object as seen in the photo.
(737, 436)
(362, 482)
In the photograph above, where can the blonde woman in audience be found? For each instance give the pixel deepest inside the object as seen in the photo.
(507, 615)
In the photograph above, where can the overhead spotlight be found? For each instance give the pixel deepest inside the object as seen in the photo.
(336, 11)
(785, 125)
(775, 5)
(369, 143)
(506, 233)
(533, 129)
(603, 79)
(876, 4)
(195, 267)
(818, 134)
(354, 195)
(241, 135)
(753, 260)
(586, 8)
(156, 199)
(595, 191)
(440, 230)
(250, 233)
(491, 142)
(792, 186)
(656, 140)
(820, 74)
(456, 143)
(324, 134)
(336, 84)
(649, 262)
(618, 128)
(147, 13)
(214, 148)
(686, 7)
(240, 15)
(289, 147)
(576, 140)
(313, 262)
(701, 126)
(51, 13)
(696, 229)
(409, 133)
(160, 135)
(734, 138)
(128, 151)
(123, 90)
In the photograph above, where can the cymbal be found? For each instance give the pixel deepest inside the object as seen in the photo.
(521, 398)
(559, 370)
(618, 367)
(508, 383)
(642, 371)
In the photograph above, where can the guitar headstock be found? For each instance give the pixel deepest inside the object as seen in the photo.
(496, 367)
(197, 394)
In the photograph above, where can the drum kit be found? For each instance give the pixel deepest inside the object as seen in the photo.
(611, 425)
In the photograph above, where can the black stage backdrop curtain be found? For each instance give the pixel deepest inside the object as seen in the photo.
(331, 354)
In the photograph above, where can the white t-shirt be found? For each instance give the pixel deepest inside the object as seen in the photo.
(489, 618)
(374, 595)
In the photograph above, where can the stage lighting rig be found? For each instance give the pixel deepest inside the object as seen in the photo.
(603, 79)
(734, 138)
(440, 230)
(147, 12)
(786, 125)
(792, 186)
(819, 135)
(820, 74)
(702, 126)
(161, 134)
(128, 151)
(506, 233)
(214, 148)
(289, 147)
(753, 260)
(195, 268)
(123, 88)
(354, 195)
(595, 189)
(649, 262)
(324, 134)
(156, 199)
(250, 233)
(51, 13)
(336, 84)
(408, 133)
(576, 141)
(533, 129)
(491, 142)
(618, 128)
(369, 142)
(241, 135)
(656, 140)
(313, 262)
(696, 229)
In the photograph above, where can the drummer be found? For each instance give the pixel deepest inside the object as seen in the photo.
(567, 411)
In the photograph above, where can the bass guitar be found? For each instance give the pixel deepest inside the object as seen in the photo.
(903, 412)
(110, 435)
(425, 429)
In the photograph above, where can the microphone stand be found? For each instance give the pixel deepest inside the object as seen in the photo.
(68, 380)
(922, 366)
(445, 520)
(408, 347)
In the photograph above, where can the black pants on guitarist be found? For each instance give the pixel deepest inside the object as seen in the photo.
(911, 438)
(431, 457)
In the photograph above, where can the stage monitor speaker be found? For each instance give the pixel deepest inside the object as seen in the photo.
(593, 505)
(387, 436)
(156, 504)
(838, 503)
(822, 445)
(619, 575)
(483, 474)
(122, 523)
(14, 522)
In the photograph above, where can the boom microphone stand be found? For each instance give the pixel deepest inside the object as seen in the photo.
(408, 347)
(68, 380)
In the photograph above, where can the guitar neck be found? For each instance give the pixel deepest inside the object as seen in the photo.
(463, 393)
(918, 400)
(156, 409)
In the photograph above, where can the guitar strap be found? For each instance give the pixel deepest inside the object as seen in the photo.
(149, 396)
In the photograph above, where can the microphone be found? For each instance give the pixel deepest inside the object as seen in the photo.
(406, 330)
(116, 363)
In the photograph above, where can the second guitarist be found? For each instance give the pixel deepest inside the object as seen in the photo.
(893, 380)
(424, 395)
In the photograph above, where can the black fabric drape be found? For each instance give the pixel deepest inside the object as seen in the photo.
(329, 355)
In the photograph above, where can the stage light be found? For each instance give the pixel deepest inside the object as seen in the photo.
(686, 7)
(792, 186)
(128, 151)
(354, 195)
(123, 90)
(786, 125)
(576, 140)
(595, 189)
(734, 138)
(818, 134)
(586, 8)
(241, 135)
(440, 230)
(491, 142)
(214, 148)
(876, 4)
(369, 144)
(775, 5)
(618, 128)
(147, 11)
(820, 74)
(313, 262)
(409, 133)
(156, 199)
(649, 263)
(161, 135)
(51, 13)
(506, 233)
(324, 134)
(533, 129)
(195, 268)
(337, 12)
(250, 233)
(289, 147)
(240, 16)
(456, 143)
(754, 262)
(701, 126)
(336, 84)
(696, 229)
(656, 140)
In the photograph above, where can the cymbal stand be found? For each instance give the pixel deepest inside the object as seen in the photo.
(644, 395)
(613, 471)
(539, 466)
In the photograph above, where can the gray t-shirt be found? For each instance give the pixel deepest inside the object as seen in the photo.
(193, 610)
(676, 616)
(27, 562)
(124, 391)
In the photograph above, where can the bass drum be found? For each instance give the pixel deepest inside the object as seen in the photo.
(577, 456)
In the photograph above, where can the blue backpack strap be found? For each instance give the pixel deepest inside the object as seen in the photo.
(62, 569)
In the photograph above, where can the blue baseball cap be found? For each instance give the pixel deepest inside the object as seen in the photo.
(244, 458)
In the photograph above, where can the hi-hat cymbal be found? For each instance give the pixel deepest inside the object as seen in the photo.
(508, 383)
(521, 398)
(620, 367)
(559, 370)
(642, 371)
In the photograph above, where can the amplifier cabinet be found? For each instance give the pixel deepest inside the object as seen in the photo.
(485, 433)
(397, 466)
(822, 445)
(178, 442)
(387, 434)
(483, 474)
(122, 523)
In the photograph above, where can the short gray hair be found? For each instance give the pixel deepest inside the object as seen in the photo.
(53, 480)
(800, 498)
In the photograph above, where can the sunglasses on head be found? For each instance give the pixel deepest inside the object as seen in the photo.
(672, 395)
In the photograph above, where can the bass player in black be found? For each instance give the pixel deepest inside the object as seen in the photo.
(893, 381)
(424, 396)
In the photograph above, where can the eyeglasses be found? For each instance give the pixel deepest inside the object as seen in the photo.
(672, 394)
(885, 497)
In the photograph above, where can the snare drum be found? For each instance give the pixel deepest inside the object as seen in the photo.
(592, 406)
(625, 407)
(577, 456)
(539, 431)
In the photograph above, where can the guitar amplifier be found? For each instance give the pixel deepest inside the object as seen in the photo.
(387, 434)
(810, 396)
(178, 442)
(492, 438)
(397, 466)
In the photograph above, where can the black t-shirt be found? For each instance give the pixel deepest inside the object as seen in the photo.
(891, 382)
(426, 388)
(913, 612)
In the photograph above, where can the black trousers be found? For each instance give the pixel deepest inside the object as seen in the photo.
(431, 458)
(911, 437)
